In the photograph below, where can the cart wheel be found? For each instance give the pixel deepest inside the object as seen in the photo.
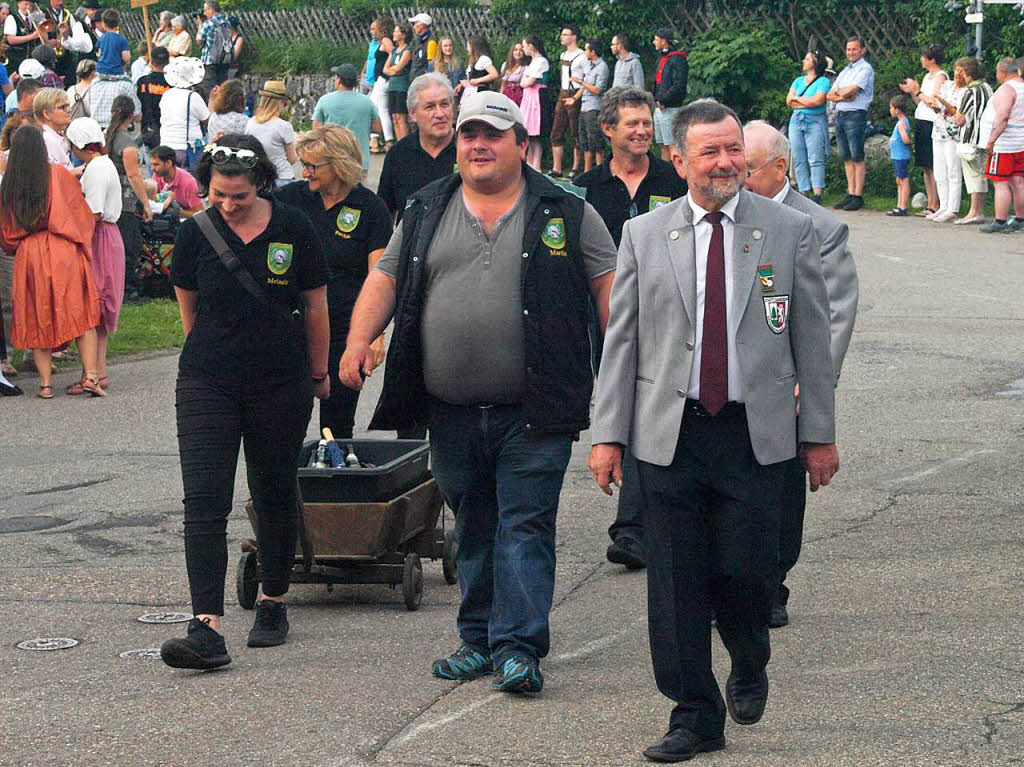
(448, 566)
(412, 581)
(248, 581)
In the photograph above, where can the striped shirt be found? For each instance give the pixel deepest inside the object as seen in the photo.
(972, 105)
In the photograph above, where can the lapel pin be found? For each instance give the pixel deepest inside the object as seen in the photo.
(673, 235)
(757, 234)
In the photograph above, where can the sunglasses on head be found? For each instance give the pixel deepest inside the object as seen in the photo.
(223, 154)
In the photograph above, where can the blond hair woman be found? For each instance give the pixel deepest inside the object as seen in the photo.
(53, 110)
(354, 226)
(274, 132)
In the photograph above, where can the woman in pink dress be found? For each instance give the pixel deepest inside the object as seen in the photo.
(512, 72)
(533, 81)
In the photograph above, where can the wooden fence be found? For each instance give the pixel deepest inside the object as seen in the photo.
(336, 27)
(884, 31)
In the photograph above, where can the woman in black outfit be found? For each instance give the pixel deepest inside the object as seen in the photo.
(248, 371)
(354, 227)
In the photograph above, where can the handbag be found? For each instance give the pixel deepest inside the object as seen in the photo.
(193, 150)
(235, 268)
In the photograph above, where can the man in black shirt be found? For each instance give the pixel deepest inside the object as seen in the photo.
(426, 154)
(633, 182)
(150, 88)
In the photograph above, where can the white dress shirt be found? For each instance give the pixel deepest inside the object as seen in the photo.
(780, 195)
(58, 148)
(701, 244)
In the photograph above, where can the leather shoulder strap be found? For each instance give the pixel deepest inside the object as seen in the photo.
(226, 255)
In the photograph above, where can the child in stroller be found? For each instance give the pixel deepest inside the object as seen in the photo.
(153, 268)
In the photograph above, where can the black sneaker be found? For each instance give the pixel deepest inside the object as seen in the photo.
(841, 205)
(202, 649)
(271, 625)
(815, 198)
(855, 203)
(779, 616)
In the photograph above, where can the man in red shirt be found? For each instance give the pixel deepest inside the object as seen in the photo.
(178, 181)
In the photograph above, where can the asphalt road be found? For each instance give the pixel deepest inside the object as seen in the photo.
(904, 648)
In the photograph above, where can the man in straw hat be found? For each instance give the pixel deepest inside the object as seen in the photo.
(501, 432)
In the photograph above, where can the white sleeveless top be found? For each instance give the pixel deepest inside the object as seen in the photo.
(929, 87)
(1012, 137)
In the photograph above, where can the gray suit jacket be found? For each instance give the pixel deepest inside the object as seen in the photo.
(839, 270)
(648, 349)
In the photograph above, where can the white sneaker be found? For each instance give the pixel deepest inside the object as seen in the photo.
(970, 220)
(943, 216)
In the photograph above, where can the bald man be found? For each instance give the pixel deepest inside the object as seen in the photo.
(767, 153)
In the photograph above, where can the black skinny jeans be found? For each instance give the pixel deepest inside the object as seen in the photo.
(270, 420)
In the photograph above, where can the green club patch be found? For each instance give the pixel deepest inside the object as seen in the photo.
(348, 219)
(279, 257)
(554, 233)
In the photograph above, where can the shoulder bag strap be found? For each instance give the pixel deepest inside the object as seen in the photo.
(188, 120)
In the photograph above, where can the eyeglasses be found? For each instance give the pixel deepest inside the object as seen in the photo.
(313, 167)
(64, 107)
(760, 167)
(222, 154)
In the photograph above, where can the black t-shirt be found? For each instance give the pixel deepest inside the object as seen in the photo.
(149, 90)
(610, 197)
(237, 336)
(348, 232)
(407, 169)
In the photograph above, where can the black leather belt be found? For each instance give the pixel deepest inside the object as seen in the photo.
(693, 407)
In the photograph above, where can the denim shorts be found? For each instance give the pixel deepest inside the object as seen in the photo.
(901, 168)
(850, 128)
(663, 125)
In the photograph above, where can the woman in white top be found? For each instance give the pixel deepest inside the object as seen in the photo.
(532, 107)
(101, 186)
(275, 134)
(183, 113)
(945, 160)
(78, 94)
(227, 109)
(53, 111)
(924, 119)
(481, 73)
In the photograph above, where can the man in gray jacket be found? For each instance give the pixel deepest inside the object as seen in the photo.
(767, 152)
(629, 71)
(718, 307)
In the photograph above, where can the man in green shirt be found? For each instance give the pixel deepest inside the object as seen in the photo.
(346, 106)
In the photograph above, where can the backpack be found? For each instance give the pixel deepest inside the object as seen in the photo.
(78, 106)
(222, 49)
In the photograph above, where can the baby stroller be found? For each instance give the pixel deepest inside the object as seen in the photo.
(153, 268)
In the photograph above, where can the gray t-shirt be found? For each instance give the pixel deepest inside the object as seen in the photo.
(472, 328)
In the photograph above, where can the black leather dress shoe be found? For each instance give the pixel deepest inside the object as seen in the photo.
(10, 390)
(680, 745)
(746, 698)
(779, 617)
(626, 551)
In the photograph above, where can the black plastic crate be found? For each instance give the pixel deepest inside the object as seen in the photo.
(399, 466)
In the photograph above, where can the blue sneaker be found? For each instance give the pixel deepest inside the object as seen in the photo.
(519, 674)
(462, 665)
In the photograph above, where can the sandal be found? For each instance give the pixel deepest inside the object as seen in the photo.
(45, 392)
(105, 382)
(76, 388)
(93, 388)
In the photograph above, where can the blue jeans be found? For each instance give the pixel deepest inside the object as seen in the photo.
(808, 135)
(503, 483)
(851, 126)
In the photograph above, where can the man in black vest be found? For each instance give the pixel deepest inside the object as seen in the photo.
(68, 39)
(489, 279)
(21, 35)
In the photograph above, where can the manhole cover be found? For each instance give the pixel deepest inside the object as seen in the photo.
(29, 524)
(150, 653)
(47, 644)
(165, 618)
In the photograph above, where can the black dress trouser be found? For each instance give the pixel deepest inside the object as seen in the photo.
(338, 412)
(793, 501)
(270, 420)
(711, 525)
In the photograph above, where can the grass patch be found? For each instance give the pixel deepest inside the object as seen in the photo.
(151, 326)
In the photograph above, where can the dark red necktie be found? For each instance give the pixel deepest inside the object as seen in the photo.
(714, 357)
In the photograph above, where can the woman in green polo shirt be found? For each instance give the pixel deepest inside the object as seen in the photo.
(255, 354)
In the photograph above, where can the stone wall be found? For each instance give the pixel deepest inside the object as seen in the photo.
(304, 89)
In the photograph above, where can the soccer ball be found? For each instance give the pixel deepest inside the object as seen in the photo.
(919, 200)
